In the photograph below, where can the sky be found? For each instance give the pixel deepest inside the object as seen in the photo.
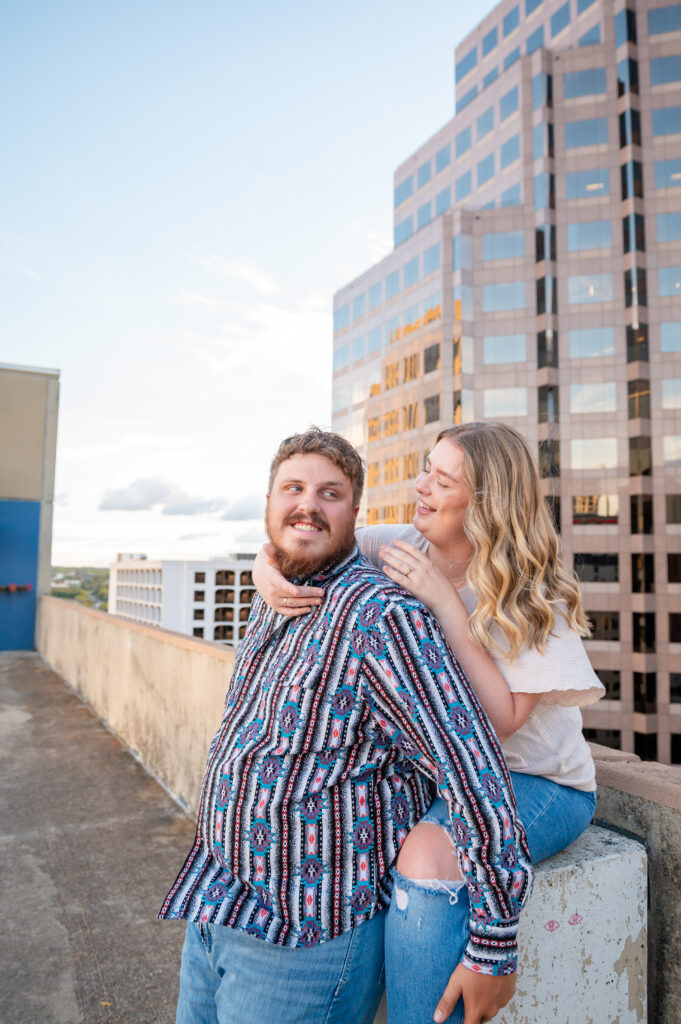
(183, 188)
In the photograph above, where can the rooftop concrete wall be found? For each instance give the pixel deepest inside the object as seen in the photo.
(161, 693)
(163, 696)
(644, 798)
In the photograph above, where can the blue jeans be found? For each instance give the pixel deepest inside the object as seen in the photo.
(426, 928)
(228, 977)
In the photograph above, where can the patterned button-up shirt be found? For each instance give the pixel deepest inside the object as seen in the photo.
(338, 726)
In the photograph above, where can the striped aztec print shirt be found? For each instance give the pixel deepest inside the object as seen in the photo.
(338, 727)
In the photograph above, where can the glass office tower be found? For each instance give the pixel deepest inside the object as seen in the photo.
(536, 279)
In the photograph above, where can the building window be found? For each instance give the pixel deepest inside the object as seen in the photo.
(637, 343)
(667, 121)
(673, 508)
(224, 596)
(545, 242)
(224, 614)
(642, 574)
(630, 128)
(595, 509)
(489, 41)
(633, 233)
(591, 342)
(611, 681)
(463, 186)
(627, 76)
(443, 201)
(586, 184)
(224, 578)
(535, 40)
(675, 627)
(375, 342)
(341, 317)
(375, 295)
(511, 197)
(197, 631)
(462, 252)
(584, 83)
(424, 215)
(504, 348)
(530, 6)
(590, 234)
(501, 297)
(544, 191)
(644, 632)
(511, 58)
(404, 230)
(463, 142)
(593, 398)
(466, 99)
(641, 508)
(404, 190)
(635, 287)
(466, 64)
(198, 614)
(392, 284)
(591, 132)
(410, 273)
(410, 466)
(504, 402)
(593, 453)
(665, 69)
(604, 737)
(671, 393)
(671, 450)
(669, 281)
(431, 259)
(485, 123)
(592, 37)
(510, 151)
(639, 399)
(486, 169)
(664, 19)
(640, 456)
(511, 21)
(668, 173)
(669, 224)
(432, 409)
(341, 358)
(549, 458)
(358, 307)
(503, 245)
(223, 633)
(625, 27)
(508, 104)
(673, 567)
(199, 577)
(553, 505)
(604, 625)
(597, 568)
(358, 348)
(645, 746)
(431, 359)
(547, 348)
(560, 20)
(199, 595)
(588, 288)
(542, 141)
(442, 159)
(546, 295)
(424, 174)
(542, 90)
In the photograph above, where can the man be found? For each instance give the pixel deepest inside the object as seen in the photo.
(337, 725)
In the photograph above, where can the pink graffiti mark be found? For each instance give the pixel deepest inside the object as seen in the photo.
(575, 919)
(551, 926)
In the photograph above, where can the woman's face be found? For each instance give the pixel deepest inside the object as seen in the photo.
(443, 496)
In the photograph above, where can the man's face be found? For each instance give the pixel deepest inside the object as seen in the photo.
(310, 516)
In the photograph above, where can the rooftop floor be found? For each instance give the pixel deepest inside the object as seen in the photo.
(90, 845)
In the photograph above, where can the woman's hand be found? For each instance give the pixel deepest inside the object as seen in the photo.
(414, 571)
(483, 995)
(276, 591)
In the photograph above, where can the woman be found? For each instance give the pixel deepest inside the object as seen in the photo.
(482, 554)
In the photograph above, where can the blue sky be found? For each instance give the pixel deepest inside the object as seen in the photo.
(183, 188)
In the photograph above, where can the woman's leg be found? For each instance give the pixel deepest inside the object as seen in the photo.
(427, 922)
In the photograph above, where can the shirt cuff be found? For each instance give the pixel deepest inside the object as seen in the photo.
(492, 947)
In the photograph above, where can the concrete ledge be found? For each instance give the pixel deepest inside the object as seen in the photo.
(583, 937)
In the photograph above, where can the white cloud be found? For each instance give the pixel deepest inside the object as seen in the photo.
(195, 300)
(237, 271)
(250, 507)
(140, 494)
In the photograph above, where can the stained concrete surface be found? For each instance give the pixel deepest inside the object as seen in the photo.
(89, 846)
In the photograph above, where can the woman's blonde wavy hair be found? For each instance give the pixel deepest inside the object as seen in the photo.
(516, 570)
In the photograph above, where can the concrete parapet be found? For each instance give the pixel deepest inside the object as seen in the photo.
(582, 938)
(161, 693)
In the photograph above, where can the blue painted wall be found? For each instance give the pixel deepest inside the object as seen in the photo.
(19, 538)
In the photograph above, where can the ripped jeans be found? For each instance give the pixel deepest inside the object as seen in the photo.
(426, 928)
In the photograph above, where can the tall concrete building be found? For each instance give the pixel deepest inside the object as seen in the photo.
(536, 279)
(209, 599)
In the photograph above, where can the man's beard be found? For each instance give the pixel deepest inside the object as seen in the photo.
(300, 565)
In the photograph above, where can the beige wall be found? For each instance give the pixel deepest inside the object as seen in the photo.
(161, 693)
(23, 411)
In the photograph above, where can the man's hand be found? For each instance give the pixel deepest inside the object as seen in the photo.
(483, 995)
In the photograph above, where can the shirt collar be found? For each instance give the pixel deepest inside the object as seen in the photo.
(330, 572)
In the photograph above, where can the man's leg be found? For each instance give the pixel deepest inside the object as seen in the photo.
(256, 982)
(198, 981)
